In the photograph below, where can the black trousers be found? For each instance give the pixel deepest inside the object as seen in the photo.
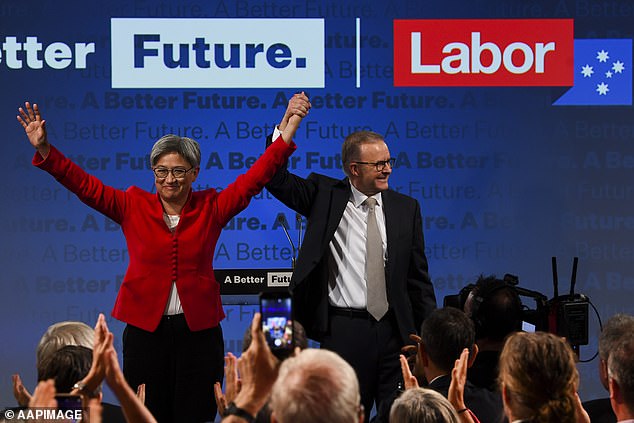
(178, 367)
(372, 349)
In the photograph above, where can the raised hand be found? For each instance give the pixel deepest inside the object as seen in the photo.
(34, 127)
(458, 381)
(258, 369)
(298, 108)
(44, 395)
(232, 383)
(409, 379)
(21, 394)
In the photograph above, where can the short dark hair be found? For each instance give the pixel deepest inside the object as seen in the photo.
(497, 308)
(444, 334)
(67, 366)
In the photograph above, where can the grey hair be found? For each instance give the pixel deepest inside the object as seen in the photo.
(316, 386)
(62, 334)
(621, 368)
(618, 325)
(187, 148)
(352, 145)
(421, 405)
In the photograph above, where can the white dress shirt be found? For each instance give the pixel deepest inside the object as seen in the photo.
(346, 264)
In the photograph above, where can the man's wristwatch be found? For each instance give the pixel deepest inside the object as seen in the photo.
(233, 410)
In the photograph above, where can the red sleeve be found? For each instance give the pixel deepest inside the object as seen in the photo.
(235, 198)
(89, 189)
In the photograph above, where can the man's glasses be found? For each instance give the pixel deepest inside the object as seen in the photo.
(177, 172)
(380, 165)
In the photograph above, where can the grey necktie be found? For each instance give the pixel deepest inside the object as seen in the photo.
(375, 270)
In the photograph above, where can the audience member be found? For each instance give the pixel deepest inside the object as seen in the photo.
(56, 336)
(258, 369)
(79, 370)
(621, 379)
(316, 386)
(232, 381)
(455, 395)
(496, 310)
(66, 366)
(105, 365)
(539, 380)
(75, 341)
(64, 333)
(600, 410)
(444, 335)
(421, 405)
(313, 386)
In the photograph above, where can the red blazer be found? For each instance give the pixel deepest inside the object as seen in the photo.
(158, 256)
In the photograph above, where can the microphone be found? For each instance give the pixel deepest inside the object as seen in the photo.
(281, 220)
(300, 226)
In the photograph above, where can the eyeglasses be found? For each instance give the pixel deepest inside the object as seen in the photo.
(380, 165)
(177, 172)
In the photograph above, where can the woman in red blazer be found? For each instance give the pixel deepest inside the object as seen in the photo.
(169, 298)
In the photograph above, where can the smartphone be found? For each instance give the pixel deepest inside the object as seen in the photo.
(71, 405)
(528, 327)
(277, 322)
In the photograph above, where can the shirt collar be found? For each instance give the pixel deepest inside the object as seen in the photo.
(358, 197)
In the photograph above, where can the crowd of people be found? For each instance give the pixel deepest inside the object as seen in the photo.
(360, 288)
(537, 378)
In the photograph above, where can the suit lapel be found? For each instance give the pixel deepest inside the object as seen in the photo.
(340, 196)
(391, 225)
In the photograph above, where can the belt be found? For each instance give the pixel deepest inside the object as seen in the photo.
(173, 317)
(358, 313)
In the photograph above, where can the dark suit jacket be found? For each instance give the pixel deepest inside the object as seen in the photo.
(600, 410)
(486, 405)
(484, 371)
(322, 201)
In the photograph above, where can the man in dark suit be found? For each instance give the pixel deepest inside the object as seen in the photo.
(612, 334)
(444, 335)
(336, 296)
(621, 379)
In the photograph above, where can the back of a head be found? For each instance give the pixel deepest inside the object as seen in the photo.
(67, 365)
(621, 368)
(445, 333)
(614, 329)
(62, 334)
(420, 405)
(316, 386)
(496, 309)
(539, 375)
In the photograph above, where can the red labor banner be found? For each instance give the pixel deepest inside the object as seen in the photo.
(483, 52)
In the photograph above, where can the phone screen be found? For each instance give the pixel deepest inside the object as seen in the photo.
(528, 327)
(277, 322)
